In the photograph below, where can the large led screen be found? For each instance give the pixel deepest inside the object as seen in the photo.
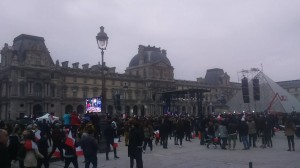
(93, 104)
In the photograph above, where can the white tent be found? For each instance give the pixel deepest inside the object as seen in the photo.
(273, 98)
(48, 118)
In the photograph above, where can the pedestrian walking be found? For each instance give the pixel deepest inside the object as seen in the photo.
(180, 131)
(136, 137)
(89, 146)
(58, 137)
(43, 149)
(289, 131)
(243, 131)
(223, 134)
(110, 133)
(69, 146)
(148, 136)
(4, 150)
(32, 152)
(232, 132)
(252, 132)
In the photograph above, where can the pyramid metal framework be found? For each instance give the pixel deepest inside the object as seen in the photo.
(273, 98)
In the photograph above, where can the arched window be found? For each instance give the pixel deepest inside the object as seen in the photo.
(69, 108)
(80, 109)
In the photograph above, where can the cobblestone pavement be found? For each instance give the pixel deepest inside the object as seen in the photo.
(193, 155)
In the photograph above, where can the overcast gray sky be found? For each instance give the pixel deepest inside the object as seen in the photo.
(197, 34)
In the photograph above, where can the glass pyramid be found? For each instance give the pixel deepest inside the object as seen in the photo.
(273, 98)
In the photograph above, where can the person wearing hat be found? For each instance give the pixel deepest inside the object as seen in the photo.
(110, 133)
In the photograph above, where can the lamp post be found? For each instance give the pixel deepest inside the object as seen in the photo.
(125, 107)
(102, 40)
(210, 107)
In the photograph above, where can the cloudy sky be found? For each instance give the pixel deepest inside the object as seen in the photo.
(197, 34)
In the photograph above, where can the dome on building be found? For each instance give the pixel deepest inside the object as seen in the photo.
(149, 55)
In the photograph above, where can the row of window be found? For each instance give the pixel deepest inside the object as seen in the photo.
(95, 81)
(36, 74)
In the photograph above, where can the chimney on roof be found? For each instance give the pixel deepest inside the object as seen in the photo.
(65, 64)
(76, 65)
(85, 66)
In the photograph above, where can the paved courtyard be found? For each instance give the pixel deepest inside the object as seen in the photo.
(193, 155)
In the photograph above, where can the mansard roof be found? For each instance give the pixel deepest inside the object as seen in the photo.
(29, 37)
(25, 43)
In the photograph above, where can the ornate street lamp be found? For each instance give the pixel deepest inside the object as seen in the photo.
(125, 91)
(102, 40)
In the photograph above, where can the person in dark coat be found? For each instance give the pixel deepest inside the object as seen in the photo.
(110, 133)
(4, 150)
(43, 149)
(232, 132)
(70, 155)
(58, 136)
(164, 131)
(89, 146)
(268, 131)
(136, 138)
(187, 129)
(180, 131)
(14, 143)
(44, 127)
(243, 131)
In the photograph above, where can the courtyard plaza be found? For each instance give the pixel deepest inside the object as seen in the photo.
(194, 155)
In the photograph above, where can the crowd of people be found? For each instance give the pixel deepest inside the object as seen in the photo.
(26, 146)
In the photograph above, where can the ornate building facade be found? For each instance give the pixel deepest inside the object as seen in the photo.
(31, 84)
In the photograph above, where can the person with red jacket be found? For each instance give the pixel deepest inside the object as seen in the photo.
(75, 123)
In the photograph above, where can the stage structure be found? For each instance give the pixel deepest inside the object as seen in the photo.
(189, 96)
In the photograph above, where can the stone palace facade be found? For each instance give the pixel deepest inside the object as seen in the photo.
(31, 83)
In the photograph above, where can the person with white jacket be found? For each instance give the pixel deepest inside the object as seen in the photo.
(32, 152)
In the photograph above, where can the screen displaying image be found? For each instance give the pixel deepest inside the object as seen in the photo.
(93, 104)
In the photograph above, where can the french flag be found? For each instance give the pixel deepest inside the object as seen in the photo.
(70, 141)
(30, 145)
(79, 152)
